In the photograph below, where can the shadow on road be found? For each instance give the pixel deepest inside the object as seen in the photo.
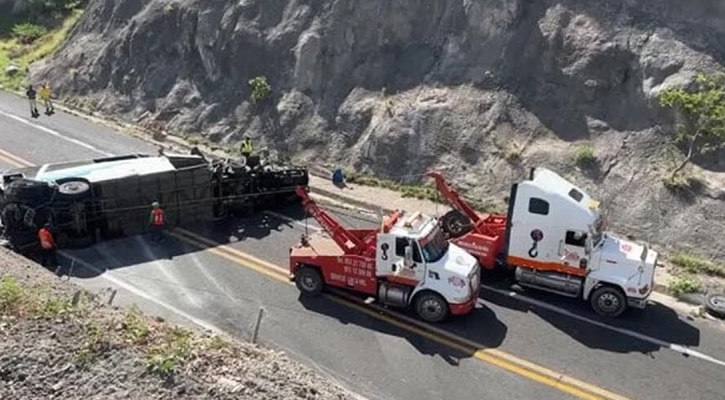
(482, 326)
(141, 249)
(489, 330)
(659, 323)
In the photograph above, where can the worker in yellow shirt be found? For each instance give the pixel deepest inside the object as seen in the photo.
(246, 148)
(45, 96)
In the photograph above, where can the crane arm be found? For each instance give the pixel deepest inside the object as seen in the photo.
(348, 242)
(453, 198)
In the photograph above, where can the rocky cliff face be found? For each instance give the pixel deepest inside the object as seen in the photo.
(398, 86)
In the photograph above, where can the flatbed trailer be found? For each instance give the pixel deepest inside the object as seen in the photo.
(90, 200)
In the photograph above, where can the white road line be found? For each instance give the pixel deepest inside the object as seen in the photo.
(56, 134)
(140, 293)
(558, 310)
(163, 266)
(675, 347)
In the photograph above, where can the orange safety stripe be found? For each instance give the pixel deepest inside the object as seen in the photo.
(546, 266)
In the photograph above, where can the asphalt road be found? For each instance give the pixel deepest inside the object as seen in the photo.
(636, 357)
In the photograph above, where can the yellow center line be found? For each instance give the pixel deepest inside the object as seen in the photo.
(14, 160)
(495, 357)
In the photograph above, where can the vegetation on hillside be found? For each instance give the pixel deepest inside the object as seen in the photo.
(261, 90)
(33, 34)
(584, 156)
(702, 112)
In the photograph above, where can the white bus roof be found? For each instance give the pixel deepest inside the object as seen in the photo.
(104, 171)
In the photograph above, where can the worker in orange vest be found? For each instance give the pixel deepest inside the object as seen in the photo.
(157, 221)
(47, 243)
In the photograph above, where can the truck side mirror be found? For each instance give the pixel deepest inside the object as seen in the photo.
(588, 245)
(408, 260)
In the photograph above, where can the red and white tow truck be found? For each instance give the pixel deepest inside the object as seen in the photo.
(407, 262)
(554, 238)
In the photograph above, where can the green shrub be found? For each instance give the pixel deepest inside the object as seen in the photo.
(11, 295)
(584, 156)
(694, 264)
(684, 284)
(91, 347)
(174, 349)
(260, 89)
(134, 325)
(28, 32)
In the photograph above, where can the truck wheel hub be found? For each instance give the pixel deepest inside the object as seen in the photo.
(309, 282)
(432, 307)
(608, 302)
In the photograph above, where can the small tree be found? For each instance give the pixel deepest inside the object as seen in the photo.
(703, 111)
(260, 89)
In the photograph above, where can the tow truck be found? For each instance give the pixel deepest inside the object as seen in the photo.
(405, 263)
(554, 239)
(98, 199)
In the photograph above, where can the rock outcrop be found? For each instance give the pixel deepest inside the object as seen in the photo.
(485, 88)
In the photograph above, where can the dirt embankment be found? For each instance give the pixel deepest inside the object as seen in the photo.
(59, 342)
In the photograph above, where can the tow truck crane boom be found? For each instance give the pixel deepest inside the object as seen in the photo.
(453, 198)
(352, 242)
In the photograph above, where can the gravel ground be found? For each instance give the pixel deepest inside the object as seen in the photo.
(52, 347)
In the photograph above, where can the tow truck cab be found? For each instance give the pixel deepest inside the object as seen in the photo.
(414, 257)
(557, 241)
(406, 263)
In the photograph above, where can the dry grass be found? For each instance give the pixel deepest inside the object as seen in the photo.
(12, 50)
(696, 265)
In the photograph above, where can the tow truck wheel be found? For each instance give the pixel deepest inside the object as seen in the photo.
(431, 307)
(608, 301)
(455, 223)
(309, 281)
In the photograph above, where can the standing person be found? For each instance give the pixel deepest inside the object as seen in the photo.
(246, 147)
(45, 96)
(31, 93)
(156, 219)
(47, 243)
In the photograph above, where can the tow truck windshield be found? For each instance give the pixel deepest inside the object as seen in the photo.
(434, 246)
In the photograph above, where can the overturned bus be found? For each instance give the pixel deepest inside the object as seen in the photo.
(100, 199)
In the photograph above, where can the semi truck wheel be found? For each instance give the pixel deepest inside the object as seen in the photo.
(309, 281)
(431, 307)
(608, 301)
(456, 224)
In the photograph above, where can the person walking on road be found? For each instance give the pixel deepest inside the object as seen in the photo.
(157, 222)
(47, 243)
(31, 93)
(45, 96)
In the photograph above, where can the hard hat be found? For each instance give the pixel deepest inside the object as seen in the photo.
(155, 204)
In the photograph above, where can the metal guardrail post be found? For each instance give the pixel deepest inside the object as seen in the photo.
(256, 325)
